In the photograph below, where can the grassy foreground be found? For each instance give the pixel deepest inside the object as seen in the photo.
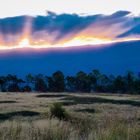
(25, 116)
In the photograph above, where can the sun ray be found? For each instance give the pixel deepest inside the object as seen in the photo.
(24, 43)
(77, 41)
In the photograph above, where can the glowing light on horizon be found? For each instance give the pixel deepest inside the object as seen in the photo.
(75, 42)
(24, 43)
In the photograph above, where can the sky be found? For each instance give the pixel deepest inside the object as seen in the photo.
(63, 23)
(38, 7)
(77, 25)
(68, 30)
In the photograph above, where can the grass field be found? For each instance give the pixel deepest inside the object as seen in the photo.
(25, 116)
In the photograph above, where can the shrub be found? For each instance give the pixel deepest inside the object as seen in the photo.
(57, 110)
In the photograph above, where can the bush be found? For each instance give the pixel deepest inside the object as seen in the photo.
(57, 110)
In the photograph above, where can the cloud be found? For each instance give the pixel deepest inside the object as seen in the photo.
(55, 29)
(11, 29)
(120, 14)
(135, 30)
(62, 25)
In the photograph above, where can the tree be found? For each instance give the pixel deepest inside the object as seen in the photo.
(13, 83)
(71, 83)
(30, 79)
(129, 79)
(83, 82)
(95, 79)
(136, 84)
(119, 84)
(110, 86)
(2, 83)
(40, 83)
(104, 84)
(56, 83)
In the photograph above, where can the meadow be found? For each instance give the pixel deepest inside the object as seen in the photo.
(26, 116)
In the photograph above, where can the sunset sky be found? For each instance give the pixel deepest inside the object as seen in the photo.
(62, 23)
(39, 36)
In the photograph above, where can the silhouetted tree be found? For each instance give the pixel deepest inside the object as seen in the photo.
(71, 83)
(129, 79)
(110, 87)
(13, 83)
(83, 82)
(137, 86)
(119, 84)
(30, 80)
(95, 79)
(40, 83)
(56, 83)
(104, 83)
(2, 83)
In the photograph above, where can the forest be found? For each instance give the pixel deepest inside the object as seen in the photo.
(94, 82)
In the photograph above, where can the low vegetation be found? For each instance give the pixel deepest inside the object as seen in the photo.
(107, 129)
(65, 116)
(58, 111)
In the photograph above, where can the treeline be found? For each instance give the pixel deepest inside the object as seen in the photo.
(81, 82)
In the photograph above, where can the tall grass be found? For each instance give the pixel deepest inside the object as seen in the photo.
(88, 118)
(80, 128)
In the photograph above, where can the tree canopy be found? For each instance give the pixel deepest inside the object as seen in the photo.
(94, 81)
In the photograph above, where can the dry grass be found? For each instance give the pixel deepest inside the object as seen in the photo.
(93, 117)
